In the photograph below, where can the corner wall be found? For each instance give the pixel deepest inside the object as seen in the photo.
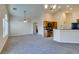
(61, 18)
(18, 27)
(3, 11)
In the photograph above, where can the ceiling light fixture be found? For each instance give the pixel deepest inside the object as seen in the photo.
(25, 21)
(46, 6)
(25, 17)
(54, 6)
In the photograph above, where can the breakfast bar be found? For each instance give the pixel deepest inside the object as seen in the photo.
(66, 35)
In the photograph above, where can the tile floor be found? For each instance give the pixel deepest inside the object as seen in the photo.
(36, 44)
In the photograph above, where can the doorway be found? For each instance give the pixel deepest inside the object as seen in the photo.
(35, 28)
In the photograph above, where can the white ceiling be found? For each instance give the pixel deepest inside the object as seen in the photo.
(32, 10)
(35, 11)
(63, 7)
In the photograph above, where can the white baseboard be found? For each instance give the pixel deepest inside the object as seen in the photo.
(23, 34)
(19, 34)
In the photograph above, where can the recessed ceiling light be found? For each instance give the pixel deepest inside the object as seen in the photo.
(54, 6)
(67, 6)
(45, 6)
(70, 8)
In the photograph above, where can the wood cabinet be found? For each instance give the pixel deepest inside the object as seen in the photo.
(77, 20)
(48, 28)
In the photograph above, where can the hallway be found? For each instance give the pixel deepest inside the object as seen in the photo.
(35, 44)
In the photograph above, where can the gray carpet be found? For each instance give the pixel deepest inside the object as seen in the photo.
(36, 44)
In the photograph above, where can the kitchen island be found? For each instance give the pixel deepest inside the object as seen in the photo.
(66, 35)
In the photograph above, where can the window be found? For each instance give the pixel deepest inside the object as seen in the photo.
(5, 26)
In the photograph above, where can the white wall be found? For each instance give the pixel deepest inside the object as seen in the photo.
(40, 27)
(49, 17)
(61, 18)
(3, 11)
(18, 27)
